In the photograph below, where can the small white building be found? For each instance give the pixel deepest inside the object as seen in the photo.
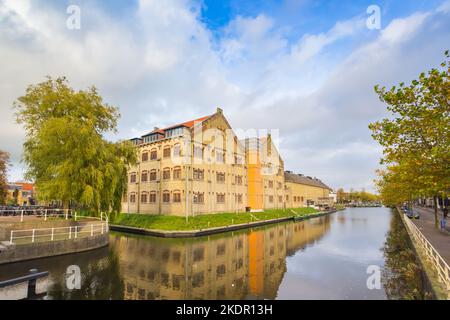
(334, 196)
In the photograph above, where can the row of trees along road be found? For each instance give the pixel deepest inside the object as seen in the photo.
(416, 138)
(65, 151)
(358, 196)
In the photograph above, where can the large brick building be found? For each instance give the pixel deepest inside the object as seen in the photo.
(200, 166)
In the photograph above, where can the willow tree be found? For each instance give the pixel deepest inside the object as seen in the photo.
(418, 131)
(65, 150)
(4, 162)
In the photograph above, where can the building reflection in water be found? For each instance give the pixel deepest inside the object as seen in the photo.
(249, 264)
(242, 265)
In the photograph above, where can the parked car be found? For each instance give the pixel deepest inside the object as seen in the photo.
(412, 214)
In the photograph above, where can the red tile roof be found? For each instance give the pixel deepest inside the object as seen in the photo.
(187, 124)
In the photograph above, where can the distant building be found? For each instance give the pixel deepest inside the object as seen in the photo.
(305, 191)
(333, 195)
(24, 192)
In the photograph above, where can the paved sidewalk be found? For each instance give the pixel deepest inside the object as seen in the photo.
(439, 239)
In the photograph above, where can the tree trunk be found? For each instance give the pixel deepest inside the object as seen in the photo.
(436, 215)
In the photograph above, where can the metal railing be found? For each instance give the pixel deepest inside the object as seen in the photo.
(47, 213)
(31, 286)
(438, 263)
(61, 233)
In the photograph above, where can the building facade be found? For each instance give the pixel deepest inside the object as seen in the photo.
(302, 191)
(191, 168)
(200, 166)
(21, 193)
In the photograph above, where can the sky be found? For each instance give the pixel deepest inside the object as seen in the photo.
(302, 68)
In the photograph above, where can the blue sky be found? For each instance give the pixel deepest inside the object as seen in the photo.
(301, 67)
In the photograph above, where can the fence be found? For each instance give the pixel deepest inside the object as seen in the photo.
(438, 263)
(31, 286)
(60, 233)
(46, 213)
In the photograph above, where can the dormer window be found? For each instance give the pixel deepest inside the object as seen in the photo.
(174, 132)
(151, 137)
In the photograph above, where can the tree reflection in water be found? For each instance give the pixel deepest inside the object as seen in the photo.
(101, 279)
(403, 276)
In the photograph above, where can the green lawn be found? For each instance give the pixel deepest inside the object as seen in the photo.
(160, 222)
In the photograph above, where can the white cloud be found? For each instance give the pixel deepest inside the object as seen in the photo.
(161, 65)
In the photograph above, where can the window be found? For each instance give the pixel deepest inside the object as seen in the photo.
(176, 196)
(238, 160)
(153, 154)
(166, 196)
(198, 152)
(220, 177)
(270, 199)
(279, 185)
(133, 178)
(221, 198)
(199, 174)
(132, 198)
(153, 175)
(176, 150)
(166, 174)
(238, 180)
(280, 198)
(239, 198)
(177, 173)
(270, 184)
(221, 248)
(151, 138)
(199, 197)
(199, 254)
(302, 199)
(152, 197)
(145, 156)
(144, 197)
(220, 271)
(144, 176)
(287, 198)
(219, 157)
(174, 132)
(166, 152)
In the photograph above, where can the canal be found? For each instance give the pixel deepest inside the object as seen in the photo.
(321, 258)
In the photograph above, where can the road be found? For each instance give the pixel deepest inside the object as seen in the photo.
(439, 239)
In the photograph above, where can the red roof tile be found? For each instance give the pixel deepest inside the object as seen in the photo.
(188, 124)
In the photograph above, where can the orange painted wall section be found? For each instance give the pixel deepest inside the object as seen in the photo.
(255, 181)
(256, 263)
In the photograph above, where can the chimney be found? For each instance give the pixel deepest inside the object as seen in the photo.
(219, 110)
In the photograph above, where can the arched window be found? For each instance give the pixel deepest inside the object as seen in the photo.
(166, 173)
(166, 152)
(153, 175)
(153, 154)
(153, 197)
(176, 173)
(144, 176)
(145, 155)
(166, 196)
(177, 196)
(176, 150)
(144, 197)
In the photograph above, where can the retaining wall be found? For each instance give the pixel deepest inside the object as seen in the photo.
(14, 253)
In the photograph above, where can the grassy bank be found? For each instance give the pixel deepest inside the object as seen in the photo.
(172, 223)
